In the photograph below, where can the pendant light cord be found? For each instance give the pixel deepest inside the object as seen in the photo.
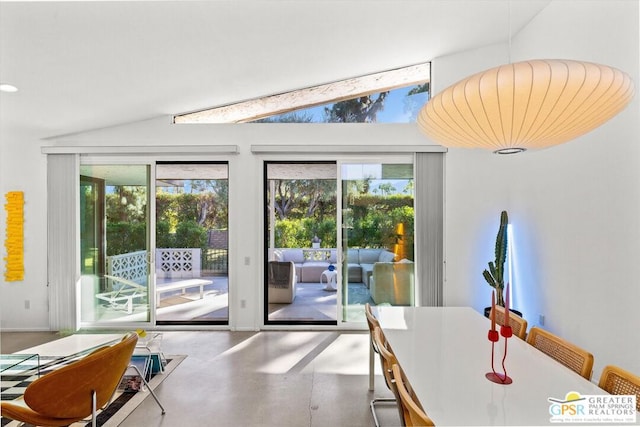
(509, 29)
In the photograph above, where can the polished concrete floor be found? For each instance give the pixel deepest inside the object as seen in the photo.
(271, 378)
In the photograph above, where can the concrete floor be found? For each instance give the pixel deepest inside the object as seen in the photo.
(272, 378)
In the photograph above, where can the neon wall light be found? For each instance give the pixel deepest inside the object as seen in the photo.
(14, 240)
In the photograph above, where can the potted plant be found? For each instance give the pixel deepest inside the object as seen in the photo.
(495, 274)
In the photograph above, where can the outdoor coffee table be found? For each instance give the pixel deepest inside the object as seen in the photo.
(330, 277)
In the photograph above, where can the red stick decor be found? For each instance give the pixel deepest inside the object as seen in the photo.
(506, 332)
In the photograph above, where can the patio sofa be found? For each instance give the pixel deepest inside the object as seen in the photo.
(393, 283)
(310, 263)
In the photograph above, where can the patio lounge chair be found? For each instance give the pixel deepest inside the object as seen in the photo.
(282, 282)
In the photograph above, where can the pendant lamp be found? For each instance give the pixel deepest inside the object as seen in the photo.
(526, 105)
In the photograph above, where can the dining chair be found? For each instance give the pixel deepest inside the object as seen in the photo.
(517, 323)
(75, 391)
(388, 359)
(570, 355)
(413, 413)
(616, 380)
(373, 324)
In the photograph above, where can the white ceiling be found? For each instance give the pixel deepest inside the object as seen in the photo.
(87, 65)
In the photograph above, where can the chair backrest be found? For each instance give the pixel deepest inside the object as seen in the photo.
(570, 355)
(414, 415)
(517, 323)
(372, 322)
(282, 274)
(616, 380)
(66, 392)
(387, 360)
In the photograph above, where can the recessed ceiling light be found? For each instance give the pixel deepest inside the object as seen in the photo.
(4, 87)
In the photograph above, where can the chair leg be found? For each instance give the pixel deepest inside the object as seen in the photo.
(93, 408)
(383, 400)
(146, 384)
(371, 366)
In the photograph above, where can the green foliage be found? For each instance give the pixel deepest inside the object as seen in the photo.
(164, 237)
(207, 205)
(288, 234)
(190, 235)
(182, 218)
(127, 203)
(373, 220)
(125, 237)
(495, 274)
(298, 232)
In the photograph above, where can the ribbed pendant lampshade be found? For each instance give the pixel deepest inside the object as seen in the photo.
(526, 105)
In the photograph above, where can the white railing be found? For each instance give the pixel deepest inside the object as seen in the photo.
(130, 266)
(178, 262)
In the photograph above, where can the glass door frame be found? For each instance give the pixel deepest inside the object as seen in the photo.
(339, 160)
(267, 243)
(91, 160)
(158, 281)
(343, 282)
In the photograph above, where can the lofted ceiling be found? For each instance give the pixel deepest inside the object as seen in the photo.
(86, 65)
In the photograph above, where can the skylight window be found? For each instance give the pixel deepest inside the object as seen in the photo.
(393, 96)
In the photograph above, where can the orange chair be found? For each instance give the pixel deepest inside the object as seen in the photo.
(413, 413)
(616, 380)
(570, 355)
(517, 323)
(74, 392)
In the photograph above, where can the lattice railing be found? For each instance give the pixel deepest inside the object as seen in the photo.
(131, 266)
(178, 262)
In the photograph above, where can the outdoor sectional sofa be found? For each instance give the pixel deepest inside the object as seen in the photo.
(310, 263)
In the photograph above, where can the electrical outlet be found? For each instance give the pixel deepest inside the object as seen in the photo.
(541, 319)
(243, 303)
(247, 260)
(27, 304)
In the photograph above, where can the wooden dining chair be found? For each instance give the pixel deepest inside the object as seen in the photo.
(373, 324)
(616, 380)
(413, 413)
(75, 391)
(388, 359)
(570, 355)
(517, 323)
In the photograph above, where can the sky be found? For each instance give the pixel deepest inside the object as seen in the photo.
(393, 112)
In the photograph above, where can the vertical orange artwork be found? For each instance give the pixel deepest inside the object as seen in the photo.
(14, 240)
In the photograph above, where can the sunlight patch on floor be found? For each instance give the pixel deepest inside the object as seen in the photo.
(344, 356)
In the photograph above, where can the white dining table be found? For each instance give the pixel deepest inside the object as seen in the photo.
(445, 354)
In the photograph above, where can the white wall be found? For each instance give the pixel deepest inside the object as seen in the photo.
(575, 208)
(23, 168)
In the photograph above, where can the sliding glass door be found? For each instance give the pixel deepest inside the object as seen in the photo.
(309, 277)
(114, 248)
(301, 243)
(172, 270)
(377, 236)
(191, 256)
